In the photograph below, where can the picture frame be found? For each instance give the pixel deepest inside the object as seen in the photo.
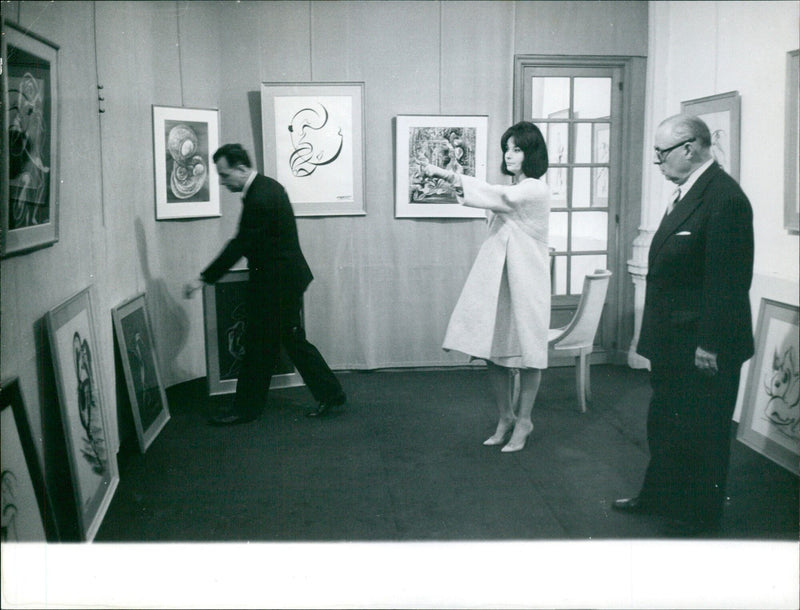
(225, 325)
(29, 206)
(140, 366)
(791, 173)
(457, 142)
(26, 504)
(722, 114)
(313, 136)
(770, 419)
(601, 146)
(184, 142)
(92, 463)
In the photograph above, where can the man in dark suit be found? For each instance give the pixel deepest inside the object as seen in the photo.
(278, 276)
(696, 331)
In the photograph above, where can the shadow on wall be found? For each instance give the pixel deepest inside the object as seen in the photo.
(170, 322)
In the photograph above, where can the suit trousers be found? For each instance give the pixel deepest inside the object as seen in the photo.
(689, 437)
(273, 319)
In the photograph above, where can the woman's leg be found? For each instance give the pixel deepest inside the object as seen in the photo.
(500, 382)
(529, 380)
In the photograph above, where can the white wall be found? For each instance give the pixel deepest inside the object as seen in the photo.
(699, 49)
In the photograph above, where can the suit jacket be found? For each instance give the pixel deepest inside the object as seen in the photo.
(700, 267)
(267, 236)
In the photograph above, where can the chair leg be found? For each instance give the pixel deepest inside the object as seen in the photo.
(587, 376)
(580, 379)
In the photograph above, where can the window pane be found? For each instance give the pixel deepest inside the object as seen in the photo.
(583, 143)
(600, 144)
(549, 97)
(581, 265)
(556, 178)
(559, 279)
(592, 98)
(599, 187)
(555, 134)
(580, 187)
(558, 230)
(589, 231)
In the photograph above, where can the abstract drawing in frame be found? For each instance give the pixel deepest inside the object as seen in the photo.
(600, 154)
(721, 113)
(225, 327)
(26, 506)
(313, 136)
(30, 170)
(184, 142)
(92, 462)
(457, 143)
(770, 418)
(140, 365)
(791, 197)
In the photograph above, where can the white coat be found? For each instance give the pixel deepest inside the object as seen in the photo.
(503, 313)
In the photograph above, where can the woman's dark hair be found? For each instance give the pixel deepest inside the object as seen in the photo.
(234, 154)
(530, 140)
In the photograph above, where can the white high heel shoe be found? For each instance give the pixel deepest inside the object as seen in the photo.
(501, 435)
(522, 430)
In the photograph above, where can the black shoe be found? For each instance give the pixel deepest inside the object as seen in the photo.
(632, 505)
(325, 406)
(230, 419)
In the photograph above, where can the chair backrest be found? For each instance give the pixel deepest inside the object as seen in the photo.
(582, 328)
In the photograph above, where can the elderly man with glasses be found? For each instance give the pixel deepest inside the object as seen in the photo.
(696, 332)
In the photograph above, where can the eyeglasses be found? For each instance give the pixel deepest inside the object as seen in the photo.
(663, 153)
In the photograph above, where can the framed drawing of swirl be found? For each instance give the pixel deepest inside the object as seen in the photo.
(184, 142)
(30, 172)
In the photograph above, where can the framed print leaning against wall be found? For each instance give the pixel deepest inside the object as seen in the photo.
(313, 136)
(184, 142)
(225, 327)
(93, 464)
(721, 113)
(770, 418)
(30, 170)
(140, 365)
(457, 143)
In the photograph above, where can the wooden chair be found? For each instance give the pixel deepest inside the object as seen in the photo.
(577, 337)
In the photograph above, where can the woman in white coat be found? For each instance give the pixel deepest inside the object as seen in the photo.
(503, 313)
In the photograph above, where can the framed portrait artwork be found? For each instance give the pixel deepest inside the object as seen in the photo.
(722, 115)
(457, 143)
(791, 172)
(313, 137)
(140, 365)
(184, 142)
(770, 417)
(30, 171)
(92, 464)
(27, 509)
(225, 327)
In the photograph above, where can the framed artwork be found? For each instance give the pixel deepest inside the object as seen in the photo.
(600, 154)
(26, 510)
(770, 418)
(140, 365)
(225, 327)
(184, 142)
(30, 171)
(721, 113)
(313, 137)
(791, 172)
(457, 143)
(93, 467)
(557, 137)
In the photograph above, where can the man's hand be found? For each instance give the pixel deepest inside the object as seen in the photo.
(705, 361)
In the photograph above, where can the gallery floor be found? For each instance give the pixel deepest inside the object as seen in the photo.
(404, 461)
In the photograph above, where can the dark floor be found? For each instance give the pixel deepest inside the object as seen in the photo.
(404, 461)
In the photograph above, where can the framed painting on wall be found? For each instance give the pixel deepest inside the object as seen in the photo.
(30, 170)
(140, 365)
(721, 113)
(27, 509)
(770, 418)
(791, 176)
(457, 143)
(225, 327)
(313, 136)
(184, 142)
(93, 465)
